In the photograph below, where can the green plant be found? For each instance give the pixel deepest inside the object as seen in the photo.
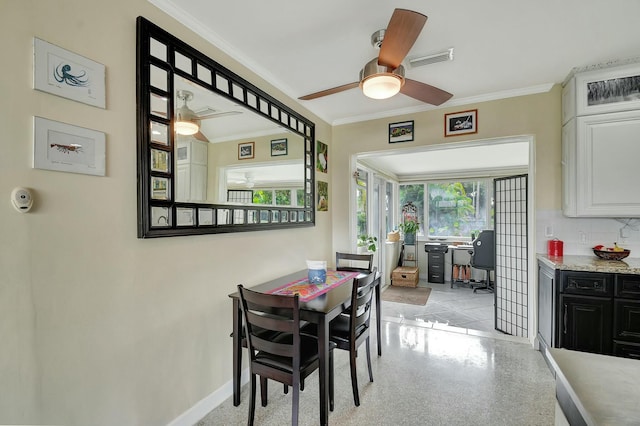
(367, 241)
(409, 227)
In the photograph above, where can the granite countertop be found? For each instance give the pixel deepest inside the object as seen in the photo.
(603, 388)
(592, 264)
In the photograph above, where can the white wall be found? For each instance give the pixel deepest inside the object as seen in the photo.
(579, 235)
(98, 327)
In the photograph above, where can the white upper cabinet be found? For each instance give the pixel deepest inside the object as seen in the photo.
(601, 143)
(192, 170)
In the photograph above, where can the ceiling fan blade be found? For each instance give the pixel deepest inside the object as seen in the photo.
(217, 114)
(424, 92)
(403, 30)
(329, 91)
(200, 136)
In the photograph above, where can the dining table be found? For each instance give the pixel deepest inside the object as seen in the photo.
(318, 309)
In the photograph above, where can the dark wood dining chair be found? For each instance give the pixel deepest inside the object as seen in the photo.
(277, 349)
(354, 262)
(349, 330)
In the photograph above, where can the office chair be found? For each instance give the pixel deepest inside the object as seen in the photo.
(483, 257)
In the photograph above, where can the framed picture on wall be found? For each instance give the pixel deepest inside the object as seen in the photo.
(461, 123)
(278, 147)
(64, 73)
(322, 165)
(67, 148)
(323, 196)
(401, 132)
(246, 150)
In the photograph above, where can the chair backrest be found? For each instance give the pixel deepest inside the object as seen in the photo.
(354, 262)
(360, 310)
(272, 313)
(483, 256)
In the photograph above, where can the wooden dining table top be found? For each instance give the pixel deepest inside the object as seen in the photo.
(323, 303)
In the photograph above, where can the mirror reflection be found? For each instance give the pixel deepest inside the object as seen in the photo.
(233, 155)
(241, 160)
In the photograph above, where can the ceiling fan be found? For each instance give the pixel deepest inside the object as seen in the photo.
(383, 77)
(188, 121)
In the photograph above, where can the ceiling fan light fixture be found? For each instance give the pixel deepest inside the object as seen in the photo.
(186, 120)
(379, 81)
(381, 86)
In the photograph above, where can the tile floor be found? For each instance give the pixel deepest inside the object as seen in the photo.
(434, 370)
(456, 307)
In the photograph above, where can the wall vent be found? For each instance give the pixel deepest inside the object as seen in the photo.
(420, 61)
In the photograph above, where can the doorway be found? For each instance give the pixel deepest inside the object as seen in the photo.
(374, 212)
(490, 158)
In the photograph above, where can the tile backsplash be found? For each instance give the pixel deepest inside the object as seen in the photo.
(581, 234)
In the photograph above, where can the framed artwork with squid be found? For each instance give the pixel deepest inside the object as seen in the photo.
(67, 74)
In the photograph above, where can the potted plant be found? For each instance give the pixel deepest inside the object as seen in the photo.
(409, 229)
(367, 243)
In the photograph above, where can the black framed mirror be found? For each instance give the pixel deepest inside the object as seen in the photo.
(239, 160)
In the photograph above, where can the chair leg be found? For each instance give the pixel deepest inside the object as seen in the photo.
(301, 384)
(295, 405)
(369, 360)
(354, 378)
(487, 283)
(331, 384)
(286, 389)
(263, 391)
(252, 401)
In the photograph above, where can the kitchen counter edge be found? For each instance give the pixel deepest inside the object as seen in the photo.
(601, 386)
(591, 264)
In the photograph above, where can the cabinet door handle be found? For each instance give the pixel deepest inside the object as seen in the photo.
(565, 318)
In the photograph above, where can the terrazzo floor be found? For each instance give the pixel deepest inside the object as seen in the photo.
(441, 364)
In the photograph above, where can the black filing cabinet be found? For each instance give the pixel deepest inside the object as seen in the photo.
(435, 261)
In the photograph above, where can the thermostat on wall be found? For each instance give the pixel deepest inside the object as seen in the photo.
(21, 199)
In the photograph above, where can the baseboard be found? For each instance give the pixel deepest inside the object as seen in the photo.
(208, 403)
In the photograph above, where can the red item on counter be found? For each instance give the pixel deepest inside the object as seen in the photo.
(555, 248)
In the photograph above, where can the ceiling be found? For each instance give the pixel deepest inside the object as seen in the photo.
(502, 48)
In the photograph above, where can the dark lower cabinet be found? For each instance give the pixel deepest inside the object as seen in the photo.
(546, 306)
(586, 324)
(594, 312)
(626, 349)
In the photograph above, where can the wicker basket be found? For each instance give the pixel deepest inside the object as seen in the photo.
(393, 236)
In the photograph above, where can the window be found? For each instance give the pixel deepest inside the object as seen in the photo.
(388, 212)
(361, 202)
(453, 208)
(262, 196)
(459, 208)
(415, 194)
(239, 196)
(268, 196)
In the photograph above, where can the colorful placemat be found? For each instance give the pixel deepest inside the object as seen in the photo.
(308, 291)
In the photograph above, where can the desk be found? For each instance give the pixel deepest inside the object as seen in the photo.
(454, 249)
(320, 311)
